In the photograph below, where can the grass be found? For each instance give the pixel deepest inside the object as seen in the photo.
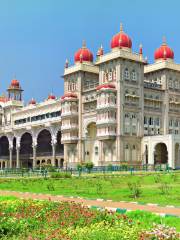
(163, 189)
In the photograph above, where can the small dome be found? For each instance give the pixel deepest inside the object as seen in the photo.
(164, 52)
(68, 96)
(121, 39)
(51, 97)
(83, 55)
(105, 86)
(15, 83)
(32, 102)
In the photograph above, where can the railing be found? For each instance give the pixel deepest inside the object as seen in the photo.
(124, 168)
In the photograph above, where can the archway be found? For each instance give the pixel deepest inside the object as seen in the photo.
(14, 153)
(90, 143)
(44, 147)
(177, 155)
(146, 154)
(4, 149)
(59, 145)
(26, 150)
(161, 154)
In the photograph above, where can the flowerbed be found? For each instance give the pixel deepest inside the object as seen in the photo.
(33, 220)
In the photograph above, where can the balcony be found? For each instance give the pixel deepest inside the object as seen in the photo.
(69, 114)
(69, 139)
(106, 135)
(107, 105)
(69, 127)
(106, 121)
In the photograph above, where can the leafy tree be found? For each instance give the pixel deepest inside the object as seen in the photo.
(89, 166)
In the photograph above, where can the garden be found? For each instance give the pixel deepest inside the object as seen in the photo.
(33, 220)
(146, 187)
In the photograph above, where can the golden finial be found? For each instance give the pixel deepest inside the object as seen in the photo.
(84, 44)
(164, 40)
(121, 27)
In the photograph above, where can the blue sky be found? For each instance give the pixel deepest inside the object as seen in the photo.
(36, 36)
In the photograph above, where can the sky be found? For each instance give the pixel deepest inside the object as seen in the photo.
(36, 36)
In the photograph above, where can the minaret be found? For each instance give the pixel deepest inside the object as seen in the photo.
(15, 91)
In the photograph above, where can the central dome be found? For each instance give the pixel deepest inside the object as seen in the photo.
(83, 55)
(121, 39)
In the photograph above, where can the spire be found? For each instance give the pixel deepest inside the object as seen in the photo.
(66, 63)
(164, 40)
(121, 27)
(140, 49)
(84, 44)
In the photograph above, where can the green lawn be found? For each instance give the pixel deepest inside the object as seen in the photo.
(158, 188)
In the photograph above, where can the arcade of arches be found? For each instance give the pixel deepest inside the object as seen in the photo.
(26, 155)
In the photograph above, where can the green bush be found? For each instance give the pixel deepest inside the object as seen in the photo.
(89, 166)
(60, 175)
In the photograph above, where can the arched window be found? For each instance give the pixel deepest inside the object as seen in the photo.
(133, 76)
(126, 74)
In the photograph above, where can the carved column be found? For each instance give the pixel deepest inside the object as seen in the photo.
(10, 157)
(17, 157)
(34, 156)
(53, 154)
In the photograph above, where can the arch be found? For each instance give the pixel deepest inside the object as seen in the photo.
(44, 139)
(26, 150)
(160, 153)
(61, 163)
(92, 130)
(56, 162)
(59, 145)
(146, 154)
(127, 153)
(4, 147)
(49, 161)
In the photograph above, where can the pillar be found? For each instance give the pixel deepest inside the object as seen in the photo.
(10, 157)
(53, 154)
(17, 157)
(34, 156)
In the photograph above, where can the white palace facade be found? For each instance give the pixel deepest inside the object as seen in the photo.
(115, 109)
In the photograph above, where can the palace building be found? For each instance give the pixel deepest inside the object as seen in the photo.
(116, 109)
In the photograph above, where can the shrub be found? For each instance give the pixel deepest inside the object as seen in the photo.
(164, 188)
(60, 175)
(110, 167)
(79, 168)
(89, 166)
(135, 190)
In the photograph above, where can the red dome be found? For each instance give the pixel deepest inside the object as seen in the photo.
(51, 97)
(83, 54)
(105, 86)
(69, 95)
(32, 101)
(164, 52)
(15, 83)
(121, 39)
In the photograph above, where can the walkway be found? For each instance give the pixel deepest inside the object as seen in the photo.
(111, 205)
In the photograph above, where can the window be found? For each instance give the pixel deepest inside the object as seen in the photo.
(133, 76)
(126, 74)
(110, 75)
(96, 150)
(170, 83)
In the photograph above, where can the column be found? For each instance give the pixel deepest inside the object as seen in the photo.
(65, 155)
(34, 156)
(10, 157)
(17, 157)
(53, 154)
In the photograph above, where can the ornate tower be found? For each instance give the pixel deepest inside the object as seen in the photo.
(15, 91)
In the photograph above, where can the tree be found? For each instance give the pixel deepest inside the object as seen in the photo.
(89, 166)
